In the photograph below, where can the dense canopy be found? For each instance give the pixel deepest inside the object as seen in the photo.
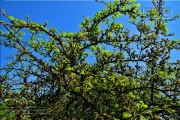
(52, 77)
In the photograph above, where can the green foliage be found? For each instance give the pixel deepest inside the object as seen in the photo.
(54, 75)
(11, 18)
(4, 113)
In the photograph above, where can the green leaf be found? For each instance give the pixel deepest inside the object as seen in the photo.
(82, 72)
(138, 5)
(18, 92)
(6, 100)
(78, 89)
(11, 18)
(126, 115)
(145, 106)
(116, 105)
(32, 102)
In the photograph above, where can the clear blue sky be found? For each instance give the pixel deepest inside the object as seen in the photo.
(67, 15)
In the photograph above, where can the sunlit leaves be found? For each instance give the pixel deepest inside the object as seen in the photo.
(56, 50)
(117, 26)
(162, 26)
(88, 86)
(138, 5)
(78, 89)
(19, 23)
(164, 74)
(116, 15)
(11, 18)
(130, 76)
(127, 115)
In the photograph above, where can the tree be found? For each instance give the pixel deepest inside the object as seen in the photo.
(127, 82)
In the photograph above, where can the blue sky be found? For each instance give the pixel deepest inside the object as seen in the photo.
(67, 15)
